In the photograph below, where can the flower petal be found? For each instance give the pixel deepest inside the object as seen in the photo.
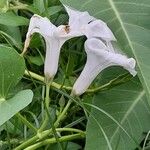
(53, 47)
(95, 46)
(92, 67)
(88, 25)
(65, 33)
(99, 58)
(99, 29)
(44, 27)
(39, 25)
(77, 19)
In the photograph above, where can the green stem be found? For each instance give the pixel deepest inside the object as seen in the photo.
(53, 140)
(48, 132)
(54, 132)
(114, 82)
(12, 142)
(47, 102)
(16, 141)
(26, 143)
(41, 78)
(62, 115)
(45, 134)
(18, 7)
(69, 130)
(26, 122)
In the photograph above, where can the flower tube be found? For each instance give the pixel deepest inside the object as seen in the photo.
(88, 25)
(44, 27)
(99, 57)
(54, 37)
(80, 23)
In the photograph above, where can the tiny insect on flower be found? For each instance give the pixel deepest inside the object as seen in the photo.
(54, 37)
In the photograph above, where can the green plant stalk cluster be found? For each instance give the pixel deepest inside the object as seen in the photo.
(35, 141)
(16, 141)
(53, 140)
(116, 81)
(44, 134)
(40, 134)
(47, 102)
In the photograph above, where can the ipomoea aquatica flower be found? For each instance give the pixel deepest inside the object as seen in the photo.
(80, 23)
(88, 25)
(54, 37)
(44, 27)
(99, 57)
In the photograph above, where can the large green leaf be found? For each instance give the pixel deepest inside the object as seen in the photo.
(8, 108)
(12, 67)
(128, 105)
(130, 22)
(11, 19)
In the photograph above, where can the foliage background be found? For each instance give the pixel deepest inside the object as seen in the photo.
(119, 113)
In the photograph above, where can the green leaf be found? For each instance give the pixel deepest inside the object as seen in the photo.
(8, 108)
(130, 22)
(53, 10)
(11, 19)
(128, 105)
(37, 60)
(39, 4)
(12, 34)
(33, 9)
(12, 67)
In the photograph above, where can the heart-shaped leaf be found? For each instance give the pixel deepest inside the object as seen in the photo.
(8, 108)
(12, 68)
(128, 106)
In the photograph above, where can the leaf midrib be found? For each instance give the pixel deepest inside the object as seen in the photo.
(114, 8)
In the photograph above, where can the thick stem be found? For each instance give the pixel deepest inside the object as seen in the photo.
(28, 142)
(45, 134)
(18, 7)
(53, 140)
(69, 130)
(62, 115)
(41, 78)
(47, 101)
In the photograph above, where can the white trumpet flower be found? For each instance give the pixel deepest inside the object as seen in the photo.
(54, 37)
(99, 29)
(44, 27)
(80, 23)
(99, 57)
(76, 26)
(78, 20)
(88, 25)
